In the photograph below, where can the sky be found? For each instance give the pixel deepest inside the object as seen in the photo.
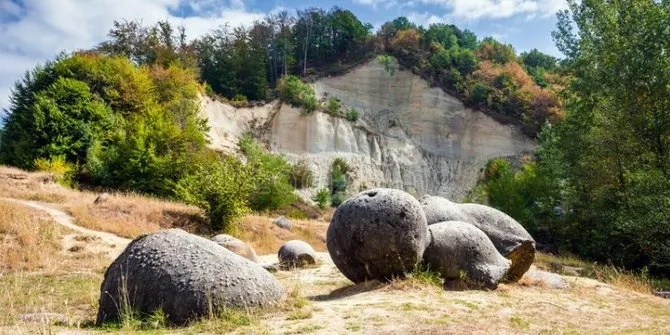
(33, 31)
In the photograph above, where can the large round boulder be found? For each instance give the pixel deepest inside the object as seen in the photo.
(463, 253)
(237, 246)
(508, 236)
(296, 254)
(377, 234)
(185, 275)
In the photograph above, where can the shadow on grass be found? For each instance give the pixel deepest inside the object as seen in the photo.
(350, 290)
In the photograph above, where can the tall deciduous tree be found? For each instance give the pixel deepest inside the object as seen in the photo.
(616, 135)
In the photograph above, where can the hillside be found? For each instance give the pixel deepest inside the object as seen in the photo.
(53, 287)
(409, 136)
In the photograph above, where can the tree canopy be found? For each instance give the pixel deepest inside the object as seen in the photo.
(600, 187)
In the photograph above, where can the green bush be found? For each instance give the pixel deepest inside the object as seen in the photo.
(440, 60)
(220, 186)
(273, 189)
(353, 115)
(239, 100)
(301, 176)
(59, 167)
(293, 91)
(333, 106)
(387, 62)
(338, 181)
(338, 198)
(123, 126)
(52, 117)
(479, 94)
(322, 197)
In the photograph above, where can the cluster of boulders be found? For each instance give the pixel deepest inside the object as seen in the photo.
(377, 234)
(385, 233)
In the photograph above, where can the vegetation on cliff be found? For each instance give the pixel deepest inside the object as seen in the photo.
(269, 58)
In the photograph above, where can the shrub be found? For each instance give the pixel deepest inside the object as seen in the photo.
(59, 167)
(338, 184)
(122, 126)
(440, 60)
(353, 115)
(293, 91)
(322, 197)
(221, 187)
(301, 176)
(387, 62)
(338, 198)
(239, 100)
(333, 106)
(271, 177)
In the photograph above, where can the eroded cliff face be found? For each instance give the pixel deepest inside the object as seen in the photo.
(410, 136)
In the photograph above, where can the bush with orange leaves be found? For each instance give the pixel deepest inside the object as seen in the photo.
(513, 95)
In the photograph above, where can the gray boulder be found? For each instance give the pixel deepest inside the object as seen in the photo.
(438, 209)
(463, 253)
(282, 222)
(237, 246)
(377, 234)
(186, 275)
(508, 236)
(548, 279)
(296, 254)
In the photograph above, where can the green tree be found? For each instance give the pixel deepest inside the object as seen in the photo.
(615, 136)
(52, 116)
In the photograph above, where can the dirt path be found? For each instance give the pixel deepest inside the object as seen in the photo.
(109, 243)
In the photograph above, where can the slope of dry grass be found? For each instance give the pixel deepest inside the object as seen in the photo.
(28, 239)
(127, 215)
(267, 238)
(41, 274)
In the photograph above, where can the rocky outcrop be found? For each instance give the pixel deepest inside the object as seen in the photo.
(410, 136)
(377, 234)
(185, 275)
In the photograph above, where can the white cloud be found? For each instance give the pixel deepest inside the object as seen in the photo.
(481, 9)
(37, 30)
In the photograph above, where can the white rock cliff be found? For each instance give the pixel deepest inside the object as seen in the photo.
(410, 136)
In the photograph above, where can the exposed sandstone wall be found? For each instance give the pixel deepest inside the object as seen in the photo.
(410, 136)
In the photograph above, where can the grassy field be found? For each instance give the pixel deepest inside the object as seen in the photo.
(50, 279)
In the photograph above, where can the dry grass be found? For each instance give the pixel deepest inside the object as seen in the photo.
(28, 239)
(628, 280)
(126, 215)
(267, 238)
(38, 278)
(74, 296)
(131, 215)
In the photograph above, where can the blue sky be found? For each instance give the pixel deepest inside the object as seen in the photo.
(32, 31)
